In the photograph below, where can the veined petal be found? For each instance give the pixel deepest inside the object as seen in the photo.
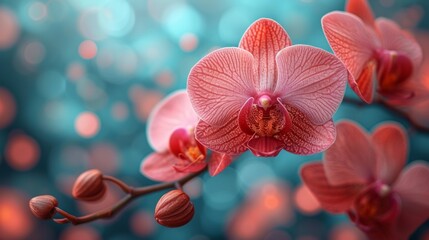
(354, 44)
(175, 111)
(390, 142)
(351, 159)
(264, 39)
(228, 138)
(220, 83)
(311, 80)
(218, 162)
(159, 167)
(304, 137)
(265, 146)
(361, 9)
(335, 199)
(413, 188)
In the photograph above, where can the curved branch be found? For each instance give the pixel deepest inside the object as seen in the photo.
(132, 193)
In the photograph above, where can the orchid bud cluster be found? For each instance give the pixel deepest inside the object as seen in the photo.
(174, 209)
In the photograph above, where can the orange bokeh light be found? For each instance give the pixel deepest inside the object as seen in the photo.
(22, 152)
(188, 42)
(9, 28)
(88, 49)
(7, 108)
(305, 200)
(15, 222)
(87, 124)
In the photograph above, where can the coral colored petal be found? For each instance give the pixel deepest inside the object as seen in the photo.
(365, 83)
(265, 146)
(353, 43)
(159, 167)
(394, 38)
(173, 112)
(390, 142)
(419, 113)
(413, 188)
(220, 83)
(186, 166)
(227, 138)
(351, 159)
(218, 162)
(264, 39)
(304, 137)
(335, 199)
(311, 80)
(361, 9)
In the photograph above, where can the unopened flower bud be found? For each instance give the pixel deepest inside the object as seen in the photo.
(43, 206)
(89, 186)
(174, 209)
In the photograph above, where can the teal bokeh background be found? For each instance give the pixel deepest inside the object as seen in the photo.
(83, 77)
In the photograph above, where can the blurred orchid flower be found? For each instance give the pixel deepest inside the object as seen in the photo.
(361, 175)
(267, 95)
(170, 131)
(370, 47)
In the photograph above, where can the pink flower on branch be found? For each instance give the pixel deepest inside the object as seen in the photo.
(170, 131)
(361, 175)
(373, 47)
(267, 95)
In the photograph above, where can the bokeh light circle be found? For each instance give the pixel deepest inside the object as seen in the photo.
(87, 124)
(38, 11)
(9, 28)
(7, 108)
(182, 19)
(15, 220)
(22, 152)
(88, 49)
(305, 201)
(116, 17)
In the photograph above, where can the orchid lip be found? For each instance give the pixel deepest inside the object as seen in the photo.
(186, 148)
(393, 68)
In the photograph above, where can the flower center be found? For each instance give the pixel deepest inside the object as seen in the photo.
(264, 117)
(393, 69)
(189, 152)
(377, 204)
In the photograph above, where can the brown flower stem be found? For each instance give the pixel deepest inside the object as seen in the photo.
(132, 193)
(414, 127)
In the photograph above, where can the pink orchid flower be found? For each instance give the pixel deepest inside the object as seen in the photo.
(370, 47)
(361, 175)
(170, 131)
(267, 95)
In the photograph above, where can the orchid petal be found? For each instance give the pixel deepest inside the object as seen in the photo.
(354, 44)
(220, 83)
(390, 142)
(218, 162)
(413, 188)
(335, 199)
(264, 39)
(173, 112)
(159, 167)
(394, 38)
(351, 159)
(265, 146)
(304, 137)
(311, 80)
(419, 113)
(227, 138)
(361, 9)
